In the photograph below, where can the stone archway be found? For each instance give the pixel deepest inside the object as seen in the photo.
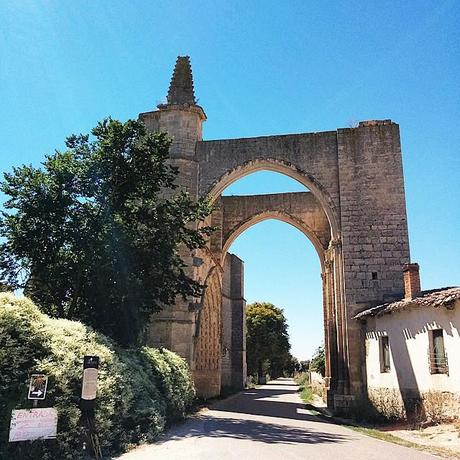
(300, 209)
(234, 214)
(356, 178)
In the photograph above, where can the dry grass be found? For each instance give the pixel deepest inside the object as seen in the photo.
(319, 389)
(383, 436)
(388, 403)
(439, 406)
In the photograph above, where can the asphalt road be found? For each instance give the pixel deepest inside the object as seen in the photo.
(267, 423)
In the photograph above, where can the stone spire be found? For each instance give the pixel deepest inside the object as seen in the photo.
(181, 86)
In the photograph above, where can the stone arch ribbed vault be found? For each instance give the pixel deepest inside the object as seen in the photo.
(277, 215)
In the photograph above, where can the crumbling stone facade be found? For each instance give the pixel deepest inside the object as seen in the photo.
(354, 214)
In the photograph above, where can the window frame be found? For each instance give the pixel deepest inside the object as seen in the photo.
(384, 346)
(437, 358)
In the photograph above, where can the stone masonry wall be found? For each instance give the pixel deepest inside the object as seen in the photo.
(174, 327)
(313, 156)
(227, 324)
(239, 368)
(356, 176)
(375, 242)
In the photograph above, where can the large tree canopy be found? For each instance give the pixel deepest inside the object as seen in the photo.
(91, 234)
(267, 340)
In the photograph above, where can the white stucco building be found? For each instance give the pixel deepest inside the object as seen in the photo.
(413, 345)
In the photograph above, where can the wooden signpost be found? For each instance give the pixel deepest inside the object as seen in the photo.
(88, 400)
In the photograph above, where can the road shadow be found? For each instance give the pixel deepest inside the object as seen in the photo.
(256, 431)
(223, 420)
(273, 400)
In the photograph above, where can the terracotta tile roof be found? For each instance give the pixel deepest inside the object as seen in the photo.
(444, 297)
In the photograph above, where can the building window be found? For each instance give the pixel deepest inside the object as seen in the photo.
(437, 354)
(384, 354)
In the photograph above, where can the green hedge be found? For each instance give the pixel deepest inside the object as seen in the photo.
(139, 391)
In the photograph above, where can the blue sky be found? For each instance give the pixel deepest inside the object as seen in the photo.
(260, 67)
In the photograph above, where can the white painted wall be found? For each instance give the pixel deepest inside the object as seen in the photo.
(409, 345)
(316, 377)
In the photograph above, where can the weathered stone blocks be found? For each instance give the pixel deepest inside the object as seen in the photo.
(354, 214)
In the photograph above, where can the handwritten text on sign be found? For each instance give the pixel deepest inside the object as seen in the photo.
(30, 424)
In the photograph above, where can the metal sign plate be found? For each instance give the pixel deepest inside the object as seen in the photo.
(37, 387)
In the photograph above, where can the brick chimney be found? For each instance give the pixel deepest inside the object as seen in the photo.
(411, 280)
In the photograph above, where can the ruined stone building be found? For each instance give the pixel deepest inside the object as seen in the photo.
(354, 214)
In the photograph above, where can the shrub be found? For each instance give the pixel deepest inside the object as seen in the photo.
(139, 391)
(318, 361)
(251, 381)
(439, 406)
(388, 403)
(302, 379)
(433, 406)
(319, 388)
(173, 378)
(309, 387)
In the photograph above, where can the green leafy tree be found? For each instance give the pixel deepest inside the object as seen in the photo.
(304, 366)
(94, 233)
(267, 340)
(318, 361)
(291, 366)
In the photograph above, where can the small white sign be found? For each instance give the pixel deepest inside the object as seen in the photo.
(30, 424)
(89, 387)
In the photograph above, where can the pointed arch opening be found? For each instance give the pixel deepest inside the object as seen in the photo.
(306, 208)
(283, 267)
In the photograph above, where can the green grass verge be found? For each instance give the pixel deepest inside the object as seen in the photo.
(306, 394)
(305, 391)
